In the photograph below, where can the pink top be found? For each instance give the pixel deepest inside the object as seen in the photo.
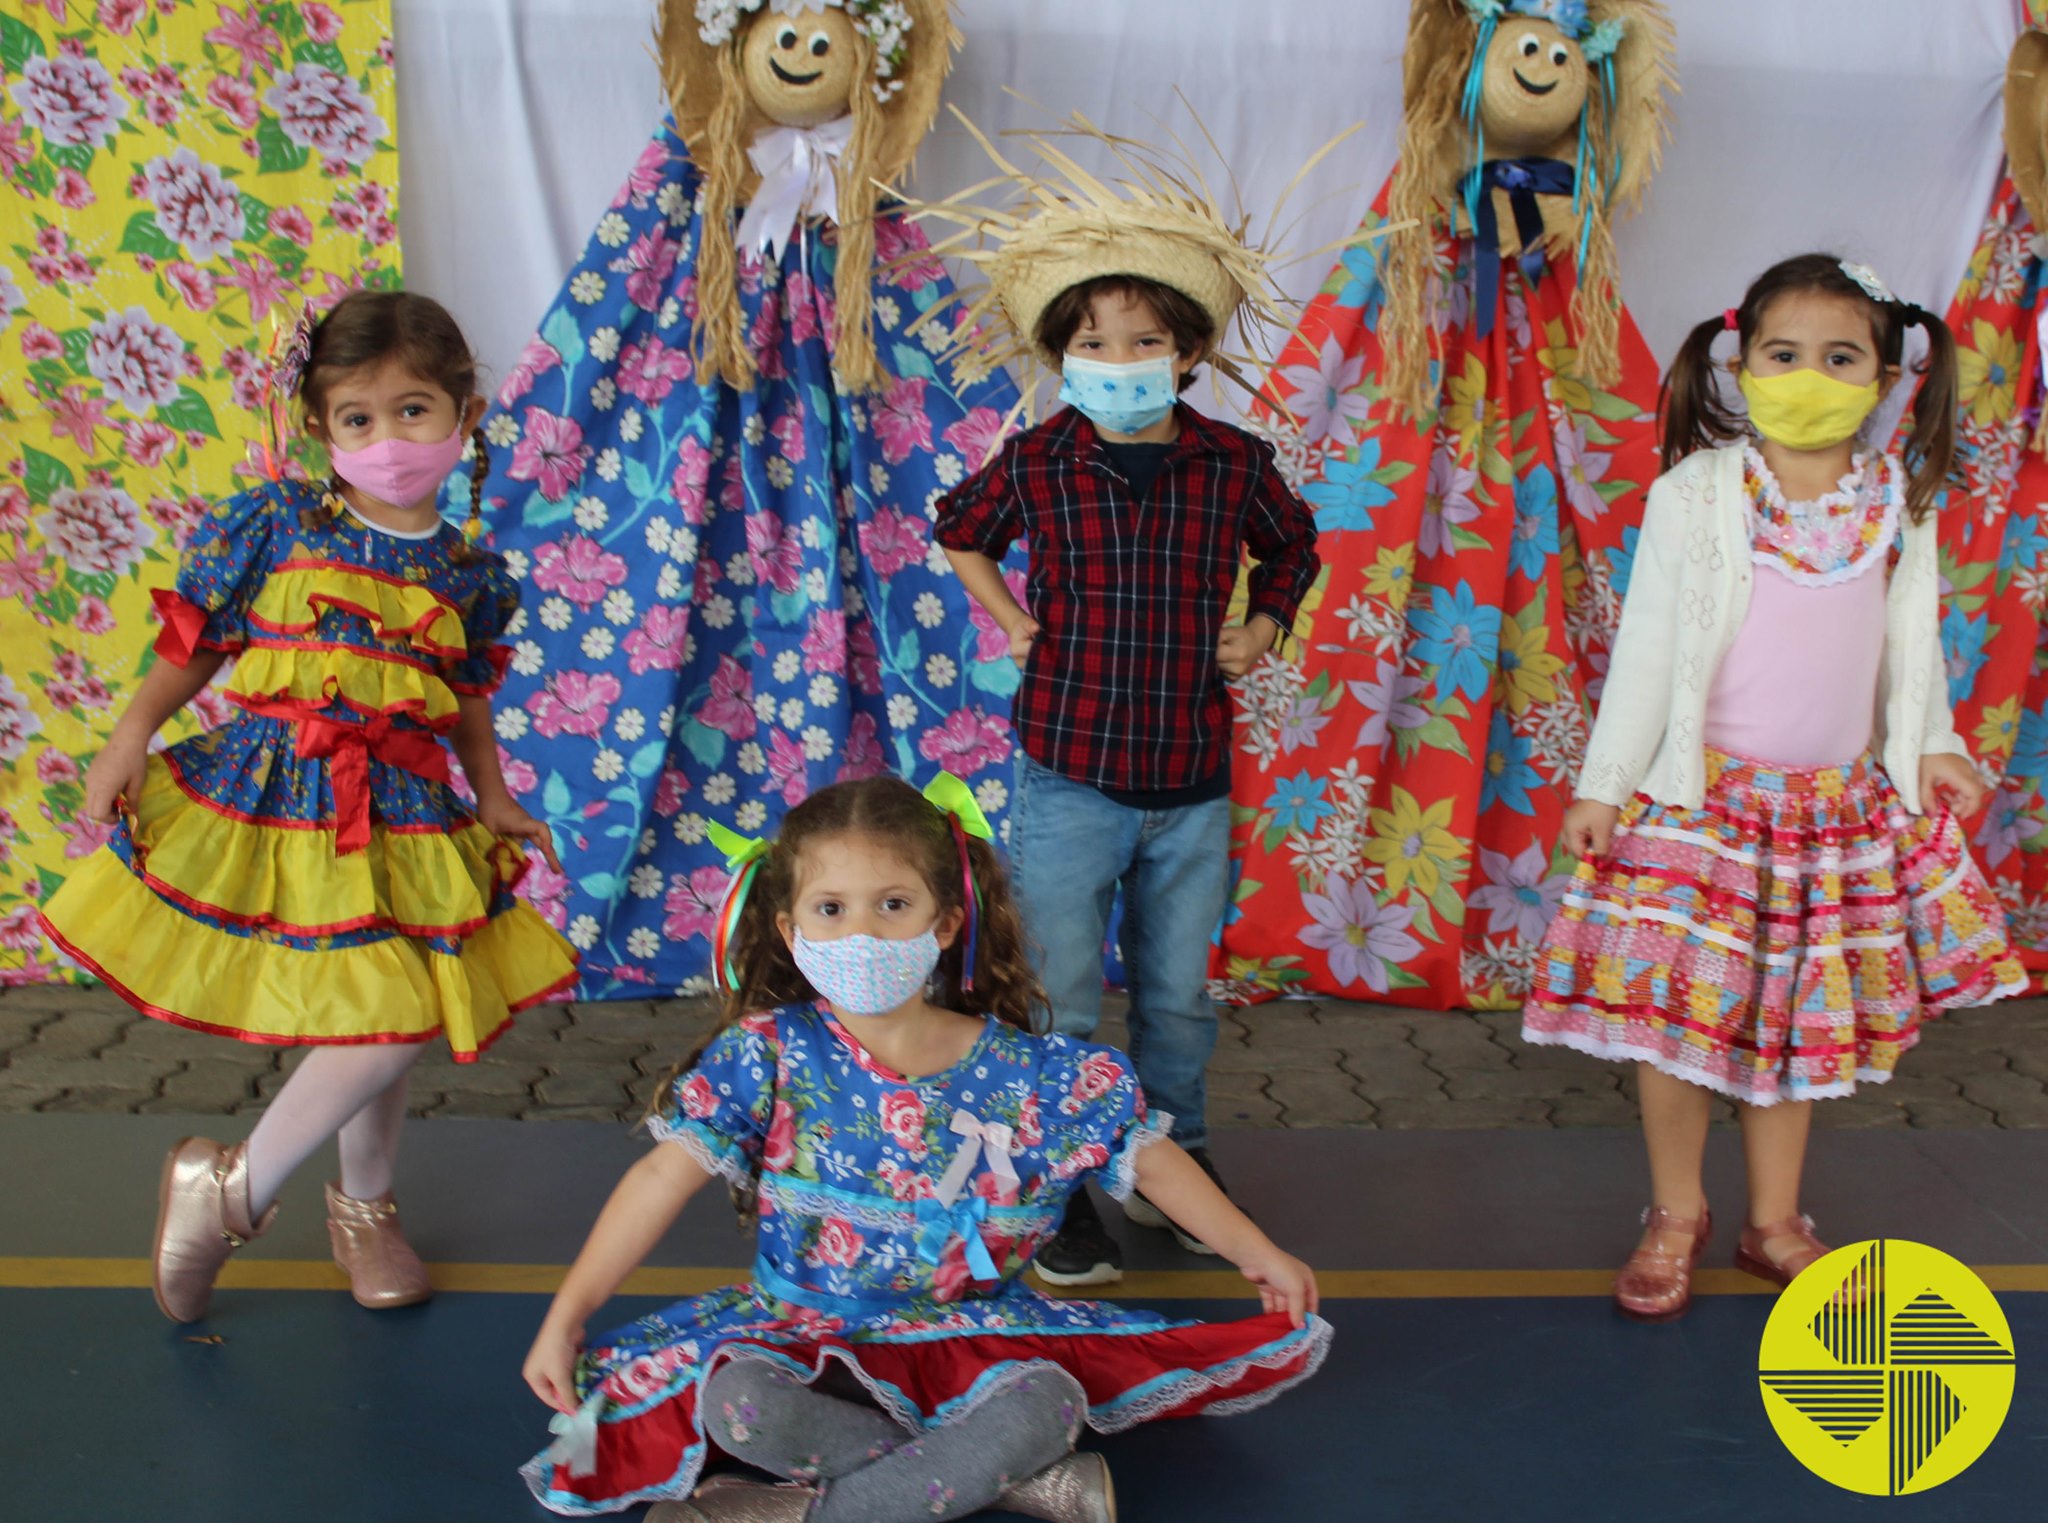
(1798, 686)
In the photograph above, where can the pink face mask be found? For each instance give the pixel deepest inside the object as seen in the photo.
(401, 472)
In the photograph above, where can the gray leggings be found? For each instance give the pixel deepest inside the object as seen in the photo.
(872, 1469)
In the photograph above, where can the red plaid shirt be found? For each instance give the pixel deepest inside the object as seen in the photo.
(1122, 689)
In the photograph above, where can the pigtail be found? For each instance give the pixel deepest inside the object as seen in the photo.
(1690, 413)
(1004, 984)
(721, 348)
(1931, 447)
(853, 275)
(466, 549)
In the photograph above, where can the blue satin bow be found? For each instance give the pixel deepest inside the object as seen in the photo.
(938, 1224)
(1524, 180)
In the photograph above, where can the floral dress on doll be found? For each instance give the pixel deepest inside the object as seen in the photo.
(896, 1216)
(306, 873)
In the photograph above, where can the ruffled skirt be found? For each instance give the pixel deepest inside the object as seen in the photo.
(1783, 942)
(223, 905)
(641, 1387)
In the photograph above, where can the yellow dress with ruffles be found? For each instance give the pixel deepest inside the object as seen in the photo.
(306, 874)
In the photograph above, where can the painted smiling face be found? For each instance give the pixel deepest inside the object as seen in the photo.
(800, 70)
(1534, 89)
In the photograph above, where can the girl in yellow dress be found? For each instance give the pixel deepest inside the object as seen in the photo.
(307, 875)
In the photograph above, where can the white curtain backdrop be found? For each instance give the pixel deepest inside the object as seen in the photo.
(1868, 126)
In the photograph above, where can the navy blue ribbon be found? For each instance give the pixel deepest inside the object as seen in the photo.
(1524, 180)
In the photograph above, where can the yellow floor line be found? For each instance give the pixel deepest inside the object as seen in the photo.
(1164, 1284)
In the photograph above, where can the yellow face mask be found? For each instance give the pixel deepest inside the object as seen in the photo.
(1805, 410)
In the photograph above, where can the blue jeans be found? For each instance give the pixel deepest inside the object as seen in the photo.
(1069, 849)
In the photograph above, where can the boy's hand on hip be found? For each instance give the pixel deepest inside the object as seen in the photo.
(1239, 647)
(1023, 634)
(1951, 780)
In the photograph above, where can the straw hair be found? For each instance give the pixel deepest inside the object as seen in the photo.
(1154, 217)
(1436, 154)
(2026, 122)
(716, 120)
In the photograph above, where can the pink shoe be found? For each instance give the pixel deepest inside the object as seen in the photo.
(202, 1216)
(1751, 1258)
(370, 1248)
(1655, 1285)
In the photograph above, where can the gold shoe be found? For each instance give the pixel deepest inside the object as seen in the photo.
(202, 1216)
(1076, 1489)
(370, 1248)
(735, 1499)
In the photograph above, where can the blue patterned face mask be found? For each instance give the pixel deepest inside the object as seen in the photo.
(1123, 399)
(867, 975)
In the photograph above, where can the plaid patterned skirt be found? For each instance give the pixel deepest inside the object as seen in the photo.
(1781, 943)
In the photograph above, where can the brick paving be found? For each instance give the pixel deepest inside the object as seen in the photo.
(1298, 1064)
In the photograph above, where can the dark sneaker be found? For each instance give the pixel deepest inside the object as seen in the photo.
(1082, 1252)
(1141, 1211)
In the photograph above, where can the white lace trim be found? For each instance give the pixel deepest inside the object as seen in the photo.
(730, 1166)
(1811, 531)
(1120, 1174)
(1631, 1052)
(1157, 1403)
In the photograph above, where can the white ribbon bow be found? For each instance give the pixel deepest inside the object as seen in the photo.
(575, 1433)
(990, 1139)
(798, 179)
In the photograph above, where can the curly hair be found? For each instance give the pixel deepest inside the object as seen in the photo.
(895, 818)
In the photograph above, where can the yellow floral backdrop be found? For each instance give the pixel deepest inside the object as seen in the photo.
(184, 176)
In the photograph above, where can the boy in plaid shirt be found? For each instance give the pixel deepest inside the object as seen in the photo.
(1135, 510)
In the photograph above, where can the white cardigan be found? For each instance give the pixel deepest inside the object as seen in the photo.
(1687, 597)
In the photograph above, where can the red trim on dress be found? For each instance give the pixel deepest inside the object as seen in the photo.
(299, 710)
(414, 632)
(265, 1038)
(269, 822)
(184, 626)
(269, 922)
(278, 638)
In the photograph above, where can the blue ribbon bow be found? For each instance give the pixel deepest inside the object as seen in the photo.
(1524, 180)
(938, 1224)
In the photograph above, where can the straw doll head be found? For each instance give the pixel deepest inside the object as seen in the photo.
(1582, 82)
(736, 68)
(2026, 122)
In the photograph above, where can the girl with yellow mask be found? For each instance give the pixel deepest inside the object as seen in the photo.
(1774, 889)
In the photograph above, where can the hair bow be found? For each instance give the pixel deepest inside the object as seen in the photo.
(743, 856)
(955, 800)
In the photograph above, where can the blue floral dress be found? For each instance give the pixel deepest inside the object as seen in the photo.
(306, 873)
(896, 1217)
(733, 595)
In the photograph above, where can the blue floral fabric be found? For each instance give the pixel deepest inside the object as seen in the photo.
(733, 597)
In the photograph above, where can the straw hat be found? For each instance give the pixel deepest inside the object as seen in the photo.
(1153, 218)
(2026, 122)
(909, 89)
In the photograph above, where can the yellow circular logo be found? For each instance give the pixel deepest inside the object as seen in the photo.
(1887, 1368)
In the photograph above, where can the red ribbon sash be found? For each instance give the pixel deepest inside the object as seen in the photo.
(349, 747)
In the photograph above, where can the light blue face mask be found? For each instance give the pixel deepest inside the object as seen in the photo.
(1123, 399)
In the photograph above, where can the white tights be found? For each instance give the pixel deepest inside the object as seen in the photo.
(357, 1091)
